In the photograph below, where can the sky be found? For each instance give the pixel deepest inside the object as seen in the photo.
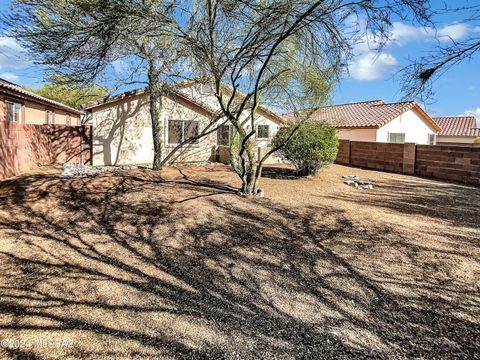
(372, 75)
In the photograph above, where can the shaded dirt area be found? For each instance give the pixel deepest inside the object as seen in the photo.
(175, 265)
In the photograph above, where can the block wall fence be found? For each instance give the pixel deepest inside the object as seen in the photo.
(457, 163)
(24, 147)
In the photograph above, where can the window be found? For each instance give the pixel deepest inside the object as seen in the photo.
(14, 112)
(49, 117)
(432, 139)
(263, 131)
(397, 138)
(225, 135)
(182, 130)
(69, 120)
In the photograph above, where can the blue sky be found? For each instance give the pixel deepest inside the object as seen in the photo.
(371, 75)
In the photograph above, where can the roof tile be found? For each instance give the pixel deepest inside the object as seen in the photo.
(458, 126)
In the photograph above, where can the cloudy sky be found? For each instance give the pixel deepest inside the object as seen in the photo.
(372, 75)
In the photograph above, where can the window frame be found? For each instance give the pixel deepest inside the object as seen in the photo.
(396, 134)
(51, 111)
(257, 133)
(182, 135)
(20, 112)
(434, 139)
(231, 130)
(68, 120)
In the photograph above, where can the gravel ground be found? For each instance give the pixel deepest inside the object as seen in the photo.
(173, 264)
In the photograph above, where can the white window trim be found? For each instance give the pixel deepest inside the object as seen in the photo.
(391, 142)
(167, 144)
(434, 139)
(49, 111)
(20, 117)
(262, 138)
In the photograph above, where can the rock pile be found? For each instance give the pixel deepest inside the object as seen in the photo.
(354, 180)
(76, 170)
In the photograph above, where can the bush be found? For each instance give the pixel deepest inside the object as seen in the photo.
(313, 146)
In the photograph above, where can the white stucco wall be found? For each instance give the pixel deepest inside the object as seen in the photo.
(357, 134)
(122, 132)
(411, 124)
(456, 139)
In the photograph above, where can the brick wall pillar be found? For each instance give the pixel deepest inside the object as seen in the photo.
(343, 155)
(409, 158)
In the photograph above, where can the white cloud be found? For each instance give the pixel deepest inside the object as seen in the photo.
(369, 64)
(372, 66)
(9, 76)
(453, 32)
(12, 55)
(474, 112)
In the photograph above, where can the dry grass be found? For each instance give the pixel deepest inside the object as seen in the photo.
(175, 265)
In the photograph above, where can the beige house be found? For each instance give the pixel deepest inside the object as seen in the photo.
(122, 132)
(457, 130)
(377, 121)
(18, 105)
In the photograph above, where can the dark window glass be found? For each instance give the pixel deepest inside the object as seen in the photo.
(223, 135)
(263, 131)
(175, 131)
(182, 130)
(190, 130)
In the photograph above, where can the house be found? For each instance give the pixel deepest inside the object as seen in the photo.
(377, 121)
(122, 131)
(18, 105)
(457, 130)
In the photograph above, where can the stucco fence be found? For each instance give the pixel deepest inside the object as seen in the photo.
(24, 147)
(456, 163)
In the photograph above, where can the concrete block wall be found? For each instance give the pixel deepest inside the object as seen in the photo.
(457, 163)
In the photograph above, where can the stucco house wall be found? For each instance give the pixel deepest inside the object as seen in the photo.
(122, 132)
(35, 113)
(357, 134)
(455, 139)
(410, 123)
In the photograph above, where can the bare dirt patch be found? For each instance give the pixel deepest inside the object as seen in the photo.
(173, 264)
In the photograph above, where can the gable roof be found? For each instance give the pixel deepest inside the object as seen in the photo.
(175, 92)
(367, 114)
(17, 91)
(458, 126)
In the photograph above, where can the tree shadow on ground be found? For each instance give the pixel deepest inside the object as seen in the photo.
(457, 204)
(129, 267)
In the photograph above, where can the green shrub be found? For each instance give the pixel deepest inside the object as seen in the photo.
(313, 146)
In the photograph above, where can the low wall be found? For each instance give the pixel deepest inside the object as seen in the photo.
(24, 147)
(458, 163)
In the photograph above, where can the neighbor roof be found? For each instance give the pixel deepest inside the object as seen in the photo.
(367, 114)
(175, 91)
(458, 126)
(18, 91)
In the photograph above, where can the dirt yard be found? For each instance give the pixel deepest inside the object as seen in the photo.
(175, 265)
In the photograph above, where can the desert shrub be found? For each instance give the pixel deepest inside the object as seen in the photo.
(313, 146)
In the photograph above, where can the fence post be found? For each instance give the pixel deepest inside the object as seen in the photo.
(409, 158)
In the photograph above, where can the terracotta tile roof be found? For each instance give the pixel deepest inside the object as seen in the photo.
(17, 90)
(366, 114)
(458, 126)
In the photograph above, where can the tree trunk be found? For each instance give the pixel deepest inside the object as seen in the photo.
(249, 180)
(155, 102)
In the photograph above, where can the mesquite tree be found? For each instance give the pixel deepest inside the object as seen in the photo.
(419, 76)
(281, 52)
(103, 41)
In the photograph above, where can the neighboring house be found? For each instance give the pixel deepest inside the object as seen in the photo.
(122, 131)
(377, 121)
(18, 105)
(457, 130)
